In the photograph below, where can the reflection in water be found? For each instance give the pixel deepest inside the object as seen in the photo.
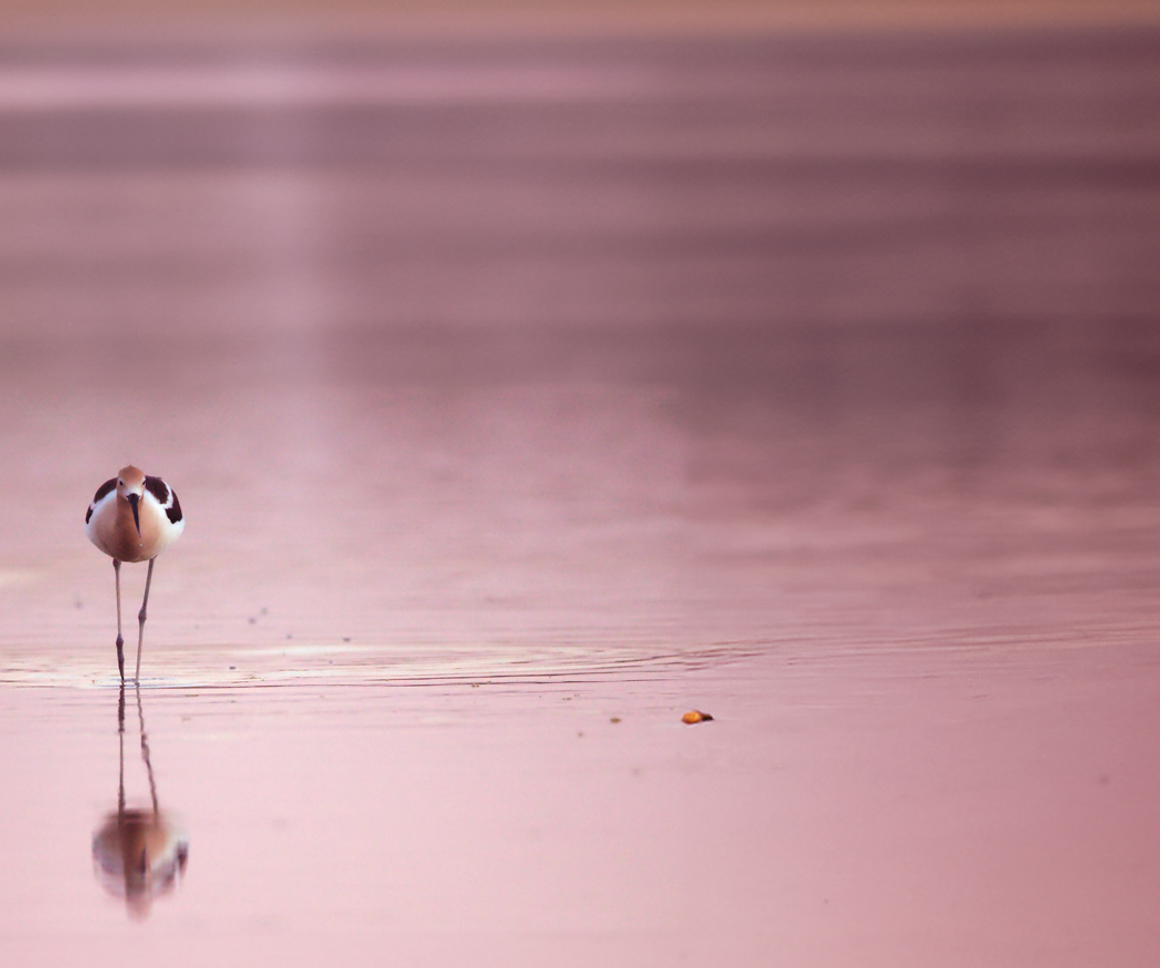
(138, 853)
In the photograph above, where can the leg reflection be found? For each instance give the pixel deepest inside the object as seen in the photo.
(138, 853)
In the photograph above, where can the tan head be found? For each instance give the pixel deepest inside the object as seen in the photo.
(131, 488)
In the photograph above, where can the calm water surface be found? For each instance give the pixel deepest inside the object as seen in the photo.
(511, 421)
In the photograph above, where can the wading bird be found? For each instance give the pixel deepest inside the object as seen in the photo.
(133, 518)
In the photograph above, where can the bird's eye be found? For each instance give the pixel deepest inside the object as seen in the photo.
(122, 483)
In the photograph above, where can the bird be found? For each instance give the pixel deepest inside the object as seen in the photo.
(133, 518)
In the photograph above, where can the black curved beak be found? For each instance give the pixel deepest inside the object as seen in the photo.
(133, 499)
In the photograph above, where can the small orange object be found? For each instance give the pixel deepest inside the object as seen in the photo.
(695, 716)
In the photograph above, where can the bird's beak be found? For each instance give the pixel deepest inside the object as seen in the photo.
(133, 499)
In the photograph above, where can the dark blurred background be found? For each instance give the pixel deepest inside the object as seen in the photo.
(293, 181)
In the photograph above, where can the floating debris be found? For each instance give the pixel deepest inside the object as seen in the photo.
(614, 719)
(695, 716)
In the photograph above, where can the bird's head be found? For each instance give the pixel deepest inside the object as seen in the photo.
(131, 488)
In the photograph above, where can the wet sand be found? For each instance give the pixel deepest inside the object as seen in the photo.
(808, 381)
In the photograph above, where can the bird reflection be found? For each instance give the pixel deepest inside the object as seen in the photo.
(138, 853)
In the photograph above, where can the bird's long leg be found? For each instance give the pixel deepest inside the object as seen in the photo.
(120, 640)
(141, 619)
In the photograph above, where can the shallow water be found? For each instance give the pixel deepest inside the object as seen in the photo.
(499, 455)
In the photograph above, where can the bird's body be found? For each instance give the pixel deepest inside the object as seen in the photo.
(112, 526)
(133, 518)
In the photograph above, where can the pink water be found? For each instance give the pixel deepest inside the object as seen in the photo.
(496, 460)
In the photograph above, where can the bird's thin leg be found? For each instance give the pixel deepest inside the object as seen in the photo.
(141, 619)
(120, 640)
